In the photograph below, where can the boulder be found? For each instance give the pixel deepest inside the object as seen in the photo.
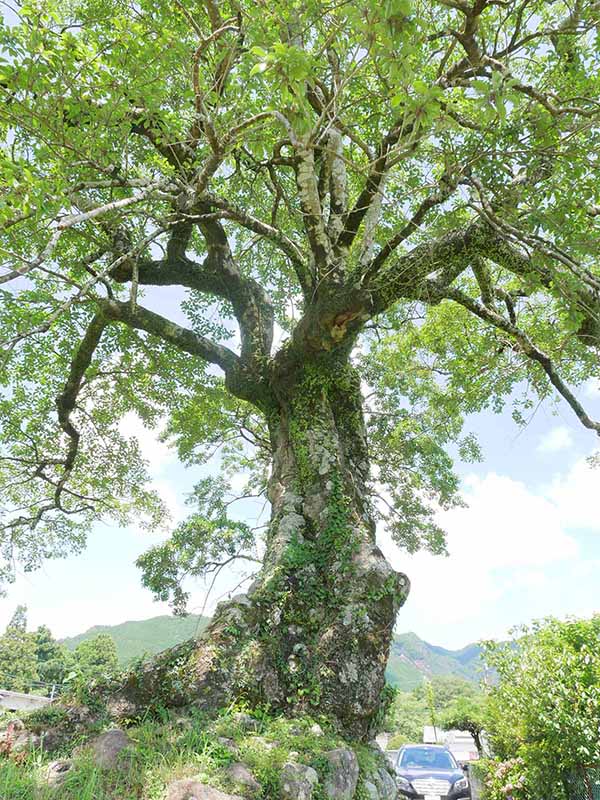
(262, 742)
(385, 783)
(52, 739)
(382, 776)
(246, 722)
(189, 789)
(228, 744)
(56, 772)
(371, 790)
(69, 722)
(107, 747)
(342, 776)
(239, 773)
(182, 721)
(297, 782)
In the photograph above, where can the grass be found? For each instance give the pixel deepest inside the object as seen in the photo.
(160, 752)
(167, 748)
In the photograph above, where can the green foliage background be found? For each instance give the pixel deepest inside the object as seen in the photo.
(544, 713)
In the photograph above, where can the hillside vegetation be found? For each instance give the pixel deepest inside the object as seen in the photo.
(411, 658)
(136, 638)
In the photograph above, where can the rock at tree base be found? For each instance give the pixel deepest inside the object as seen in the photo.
(228, 744)
(189, 789)
(245, 721)
(107, 747)
(371, 790)
(239, 773)
(385, 784)
(343, 774)
(297, 782)
(56, 772)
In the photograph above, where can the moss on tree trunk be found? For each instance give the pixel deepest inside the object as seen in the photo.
(314, 630)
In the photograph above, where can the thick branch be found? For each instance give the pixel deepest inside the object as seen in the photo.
(219, 276)
(270, 232)
(338, 189)
(183, 338)
(373, 185)
(445, 257)
(241, 382)
(65, 404)
(178, 154)
(435, 199)
(251, 304)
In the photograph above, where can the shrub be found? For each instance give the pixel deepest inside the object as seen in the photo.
(544, 712)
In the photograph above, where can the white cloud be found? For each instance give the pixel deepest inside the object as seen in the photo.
(591, 388)
(506, 525)
(503, 542)
(159, 456)
(559, 438)
(171, 500)
(156, 453)
(239, 483)
(575, 496)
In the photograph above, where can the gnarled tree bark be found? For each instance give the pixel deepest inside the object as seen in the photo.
(315, 628)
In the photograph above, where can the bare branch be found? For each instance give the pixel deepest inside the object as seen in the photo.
(75, 219)
(31, 265)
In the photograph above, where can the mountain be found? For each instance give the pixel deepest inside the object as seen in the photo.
(411, 658)
(136, 638)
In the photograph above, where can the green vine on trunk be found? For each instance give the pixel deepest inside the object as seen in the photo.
(315, 439)
(305, 591)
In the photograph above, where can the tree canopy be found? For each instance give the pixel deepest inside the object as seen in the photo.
(18, 662)
(409, 184)
(34, 661)
(31, 661)
(467, 714)
(97, 657)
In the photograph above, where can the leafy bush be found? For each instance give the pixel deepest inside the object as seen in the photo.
(505, 779)
(544, 712)
(397, 740)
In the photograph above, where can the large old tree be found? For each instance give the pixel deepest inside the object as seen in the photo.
(403, 195)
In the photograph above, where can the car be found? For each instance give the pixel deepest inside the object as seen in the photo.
(430, 772)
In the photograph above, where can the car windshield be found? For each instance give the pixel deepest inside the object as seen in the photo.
(427, 758)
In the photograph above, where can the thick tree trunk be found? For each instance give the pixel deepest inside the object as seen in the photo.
(314, 630)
